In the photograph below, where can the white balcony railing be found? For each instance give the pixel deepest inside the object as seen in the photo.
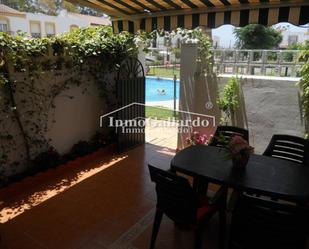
(283, 63)
(36, 35)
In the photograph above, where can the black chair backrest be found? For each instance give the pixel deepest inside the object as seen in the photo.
(258, 223)
(175, 197)
(290, 148)
(227, 132)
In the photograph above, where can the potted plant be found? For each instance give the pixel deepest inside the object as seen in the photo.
(197, 138)
(239, 151)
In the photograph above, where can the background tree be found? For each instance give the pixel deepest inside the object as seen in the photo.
(89, 11)
(290, 56)
(70, 7)
(299, 46)
(49, 7)
(256, 36)
(21, 5)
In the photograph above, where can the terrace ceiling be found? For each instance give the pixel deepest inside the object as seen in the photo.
(148, 15)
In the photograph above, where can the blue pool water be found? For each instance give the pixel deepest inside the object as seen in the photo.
(155, 85)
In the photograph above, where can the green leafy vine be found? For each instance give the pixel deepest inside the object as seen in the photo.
(304, 84)
(228, 102)
(25, 62)
(195, 36)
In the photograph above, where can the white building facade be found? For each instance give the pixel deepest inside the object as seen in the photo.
(292, 37)
(41, 25)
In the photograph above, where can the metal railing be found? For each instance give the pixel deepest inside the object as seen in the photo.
(36, 35)
(283, 63)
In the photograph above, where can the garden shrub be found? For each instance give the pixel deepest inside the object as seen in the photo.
(228, 101)
(45, 160)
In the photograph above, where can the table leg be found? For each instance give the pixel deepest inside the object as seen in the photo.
(200, 185)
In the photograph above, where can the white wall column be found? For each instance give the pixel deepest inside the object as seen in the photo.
(198, 94)
(188, 67)
(142, 57)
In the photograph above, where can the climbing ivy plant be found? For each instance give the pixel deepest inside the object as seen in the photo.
(61, 61)
(304, 83)
(195, 36)
(24, 62)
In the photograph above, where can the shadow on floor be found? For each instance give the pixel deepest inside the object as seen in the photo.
(107, 202)
(89, 205)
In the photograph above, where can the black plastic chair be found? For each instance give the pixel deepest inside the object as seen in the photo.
(227, 132)
(178, 201)
(290, 148)
(258, 223)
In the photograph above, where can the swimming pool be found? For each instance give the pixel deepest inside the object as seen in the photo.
(160, 89)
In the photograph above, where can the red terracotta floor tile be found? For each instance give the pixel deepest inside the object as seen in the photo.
(91, 213)
(92, 206)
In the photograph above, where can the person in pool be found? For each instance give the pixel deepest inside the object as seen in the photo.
(161, 91)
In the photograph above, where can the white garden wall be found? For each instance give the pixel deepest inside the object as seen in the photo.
(77, 118)
(73, 116)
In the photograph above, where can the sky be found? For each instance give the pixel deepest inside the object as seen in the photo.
(227, 38)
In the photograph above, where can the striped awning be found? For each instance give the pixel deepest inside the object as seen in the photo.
(148, 15)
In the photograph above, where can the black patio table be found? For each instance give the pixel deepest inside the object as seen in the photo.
(263, 175)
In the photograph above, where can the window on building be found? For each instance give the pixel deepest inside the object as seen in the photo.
(35, 29)
(4, 27)
(72, 27)
(154, 42)
(178, 43)
(50, 29)
(293, 39)
(167, 42)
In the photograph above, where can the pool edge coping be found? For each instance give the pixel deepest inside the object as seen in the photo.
(161, 78)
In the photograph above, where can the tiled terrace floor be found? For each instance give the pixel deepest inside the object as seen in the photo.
(99, 202)
(162, 136)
